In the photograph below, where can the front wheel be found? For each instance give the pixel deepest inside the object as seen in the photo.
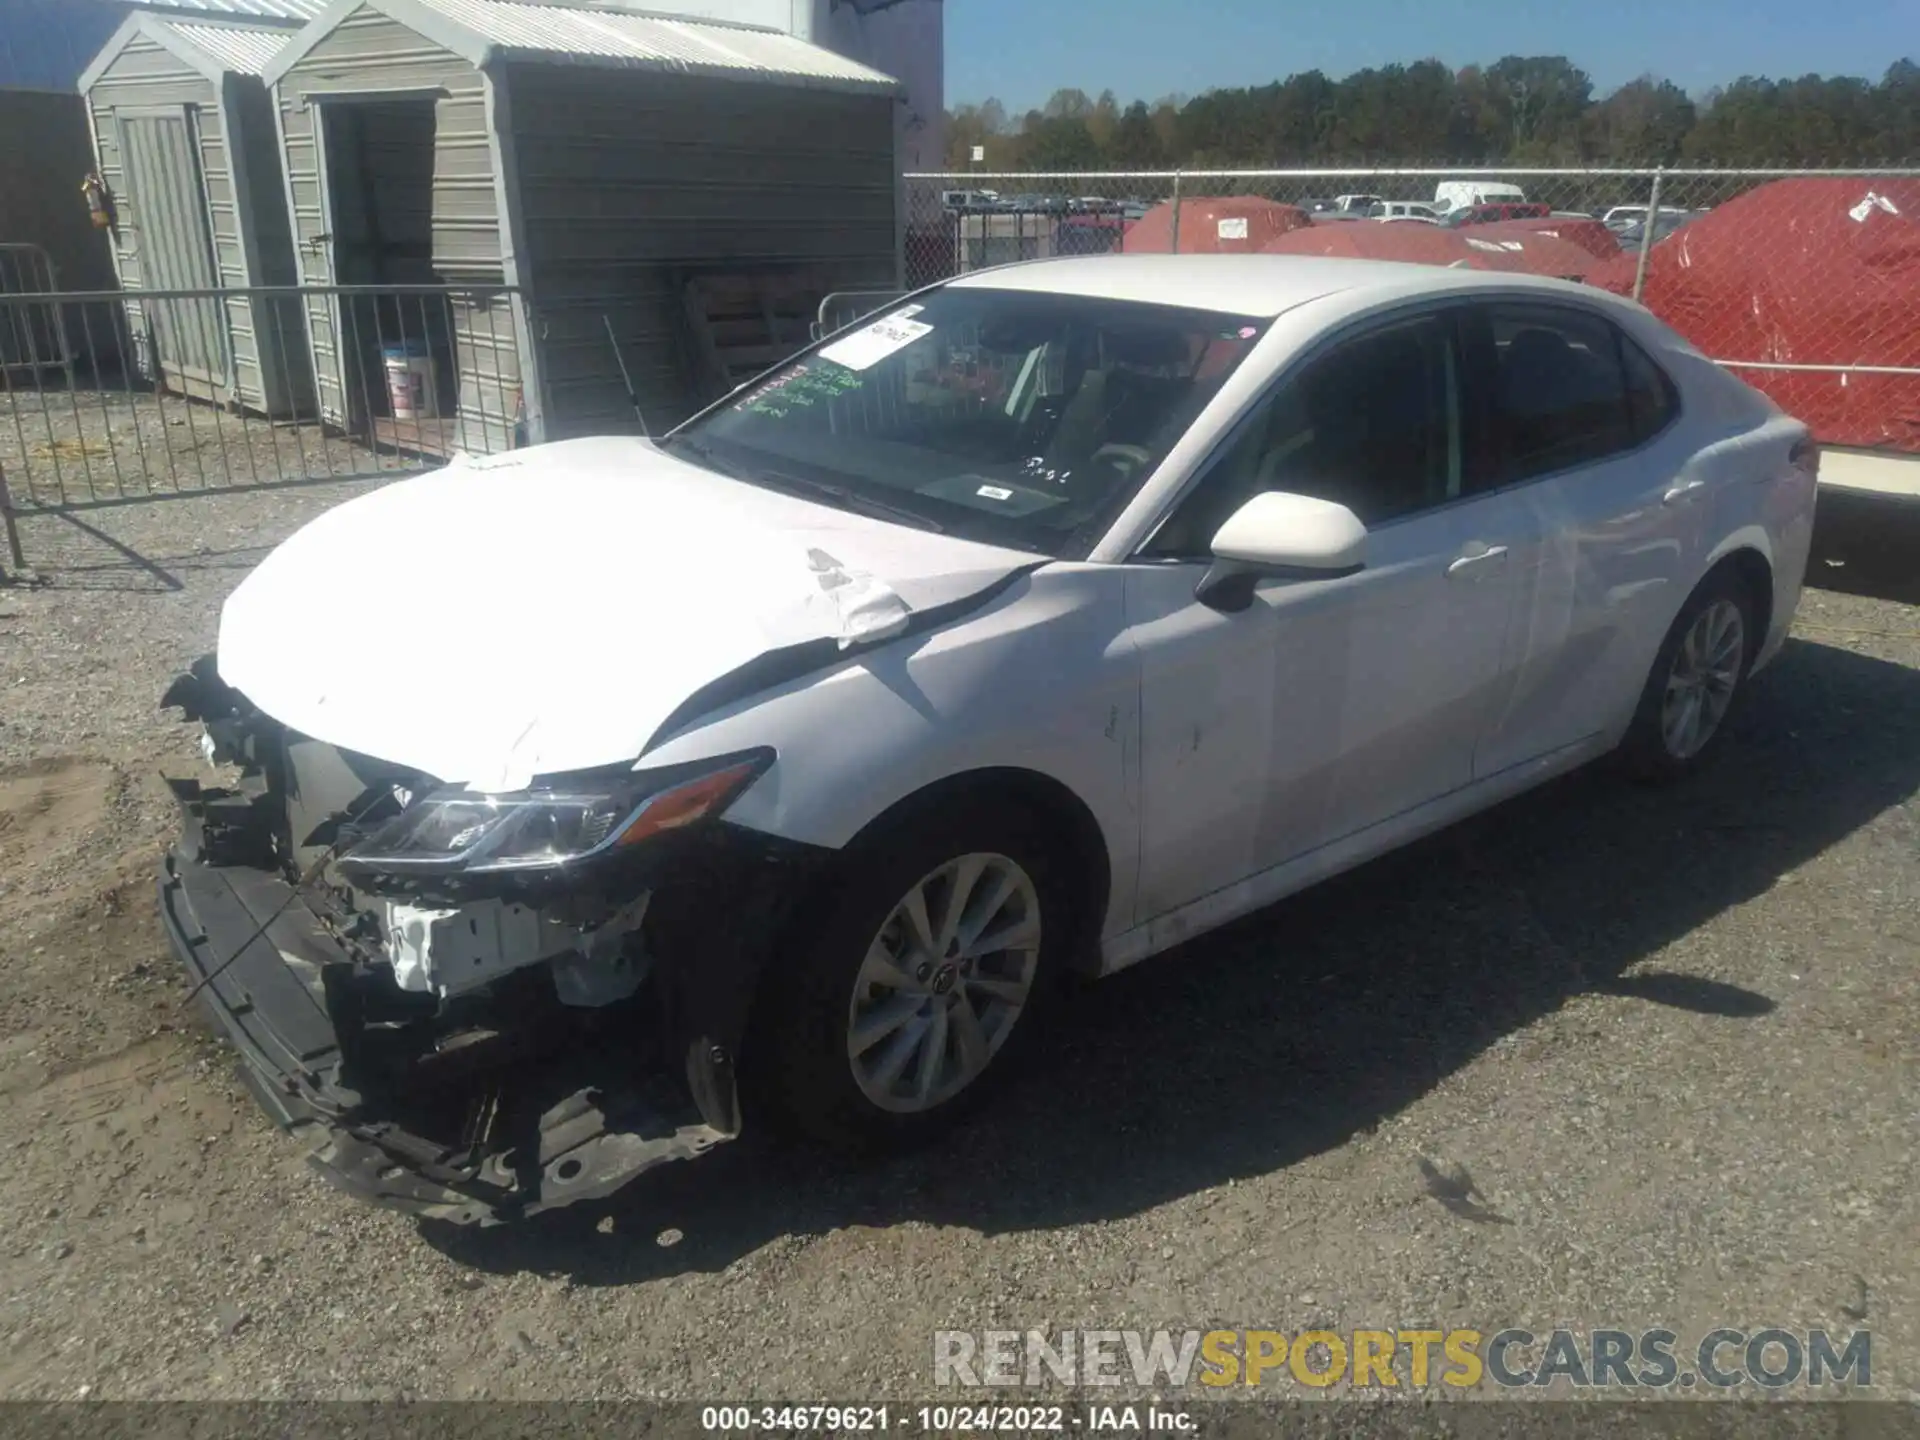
(928, 975)
(1696, 681)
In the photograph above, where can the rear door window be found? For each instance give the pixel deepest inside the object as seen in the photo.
(1560, 392)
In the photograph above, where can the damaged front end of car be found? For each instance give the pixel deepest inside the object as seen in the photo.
(482, 1006)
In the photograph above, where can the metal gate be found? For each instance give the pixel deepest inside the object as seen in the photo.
(182, 344)
(94, 433)
(31, 338)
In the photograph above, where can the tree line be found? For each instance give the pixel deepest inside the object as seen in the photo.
(1522, 110)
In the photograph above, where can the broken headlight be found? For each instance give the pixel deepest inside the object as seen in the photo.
(568, 819)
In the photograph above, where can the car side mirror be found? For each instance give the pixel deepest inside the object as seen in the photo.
(1278, 534)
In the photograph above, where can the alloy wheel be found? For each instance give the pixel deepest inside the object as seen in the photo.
(1700, 685)
(943, 983)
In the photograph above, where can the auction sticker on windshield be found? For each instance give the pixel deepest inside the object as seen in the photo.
(873, 343)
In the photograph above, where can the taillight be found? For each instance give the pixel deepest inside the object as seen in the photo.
(1805, 457)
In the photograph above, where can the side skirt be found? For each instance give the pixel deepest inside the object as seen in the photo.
(1256, 892)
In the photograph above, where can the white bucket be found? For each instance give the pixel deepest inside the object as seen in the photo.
(410, 377)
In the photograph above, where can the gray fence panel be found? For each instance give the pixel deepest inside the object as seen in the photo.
(78, 430)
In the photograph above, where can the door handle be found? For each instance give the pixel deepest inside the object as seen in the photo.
(1468, 564)
(1682, 491)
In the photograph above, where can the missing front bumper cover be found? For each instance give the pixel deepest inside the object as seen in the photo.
(580, 1153)
(525, 1135)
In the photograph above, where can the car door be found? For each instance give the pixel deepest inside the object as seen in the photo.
(1328, 704)
(1578, 443)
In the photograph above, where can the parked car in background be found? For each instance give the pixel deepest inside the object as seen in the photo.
(1090, 234)
(1403, 210)
(1622, 216)
(1491, 213)
(1056, 616)
(969, 201)
(1451, 195)
(1325, 208)
(1666, 223)
(1357, 204)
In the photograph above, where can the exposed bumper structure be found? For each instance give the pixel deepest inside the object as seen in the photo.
(558, 1065)
(259, 958)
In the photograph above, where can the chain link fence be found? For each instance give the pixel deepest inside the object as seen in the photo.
(1805, 282)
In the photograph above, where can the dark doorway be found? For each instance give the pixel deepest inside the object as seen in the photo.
(380, 158)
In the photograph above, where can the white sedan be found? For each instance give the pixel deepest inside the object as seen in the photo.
(587, 799)
(1391, 210)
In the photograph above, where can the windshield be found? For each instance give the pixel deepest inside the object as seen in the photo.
(1011, 417)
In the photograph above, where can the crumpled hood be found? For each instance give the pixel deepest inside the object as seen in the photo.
(546, 610)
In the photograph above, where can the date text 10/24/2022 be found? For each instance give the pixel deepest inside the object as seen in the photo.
(947, 1419)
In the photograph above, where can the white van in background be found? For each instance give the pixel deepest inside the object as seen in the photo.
(1459, 194)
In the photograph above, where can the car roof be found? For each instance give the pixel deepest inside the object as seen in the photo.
(1262, 285)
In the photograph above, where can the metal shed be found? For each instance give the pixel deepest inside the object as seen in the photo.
(691, 187)
(184, 135)
(47, 240)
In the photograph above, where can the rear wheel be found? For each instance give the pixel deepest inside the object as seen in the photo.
(1698, 678)
(927, 977)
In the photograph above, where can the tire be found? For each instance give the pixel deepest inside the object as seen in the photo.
(832, 997)
(1703, 663)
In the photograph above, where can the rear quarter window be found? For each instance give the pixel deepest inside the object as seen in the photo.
(1560, 391)
(1653, 401)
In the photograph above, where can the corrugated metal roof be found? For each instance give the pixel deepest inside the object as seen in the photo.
(302, 10)
(612, 37)
(243, 49)
(45, 44)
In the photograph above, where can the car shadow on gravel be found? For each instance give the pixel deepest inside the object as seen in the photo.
(1292, 1030)
(1867, 545)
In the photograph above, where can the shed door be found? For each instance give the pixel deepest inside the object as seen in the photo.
(175, 246)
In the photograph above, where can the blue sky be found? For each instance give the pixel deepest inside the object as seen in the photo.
(1024, 50)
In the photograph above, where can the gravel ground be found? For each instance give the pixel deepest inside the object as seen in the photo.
(103, 444)
(1673, 1037)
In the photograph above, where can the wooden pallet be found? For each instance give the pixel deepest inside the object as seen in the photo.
(743, 322)
(433, 439)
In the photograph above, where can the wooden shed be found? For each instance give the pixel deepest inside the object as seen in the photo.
(684, 190)
(184, 136)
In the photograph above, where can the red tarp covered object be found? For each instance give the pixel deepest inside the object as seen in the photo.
(1534, 253)
(1413, 244)
(1222, 225)
(1590, 235)
(1810, 272)
(1090, 234)
(1418, 244)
